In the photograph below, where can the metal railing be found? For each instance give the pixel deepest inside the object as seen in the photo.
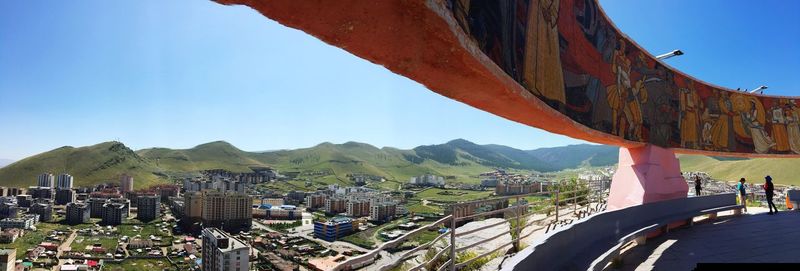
(754, 191)
(555, 209)
(369, 257)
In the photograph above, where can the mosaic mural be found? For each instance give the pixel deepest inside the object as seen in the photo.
(566, 53)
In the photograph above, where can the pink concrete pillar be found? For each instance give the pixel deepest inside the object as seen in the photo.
(646, 174)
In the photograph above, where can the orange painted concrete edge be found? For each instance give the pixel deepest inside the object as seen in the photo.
(422, 41)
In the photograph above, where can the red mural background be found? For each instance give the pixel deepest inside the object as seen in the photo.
(571, 56)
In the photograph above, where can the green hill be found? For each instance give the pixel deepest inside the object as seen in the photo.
(459, 160)
(336, 161)
(88, 165)
(575, 156)
(782, 170)
(461, 152)
(329, 163)
(213, 155)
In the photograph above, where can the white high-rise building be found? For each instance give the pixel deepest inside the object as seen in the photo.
(221, 251)
(126, 183)
(64, 181)
(45, 180)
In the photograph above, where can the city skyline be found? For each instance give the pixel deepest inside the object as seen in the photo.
(180, 74)
(186, 135)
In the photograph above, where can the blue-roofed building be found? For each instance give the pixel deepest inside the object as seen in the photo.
(334, 229)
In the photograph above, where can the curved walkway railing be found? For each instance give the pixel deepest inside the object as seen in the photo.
(592, 242)
(369, 257)
(525, 214)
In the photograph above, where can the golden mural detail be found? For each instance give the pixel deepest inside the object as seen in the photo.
(720, 129)
(779, 126)
(616, 93)
(542, 53)
(792, 113)
(689, 122)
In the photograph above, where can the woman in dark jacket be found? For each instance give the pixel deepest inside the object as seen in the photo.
(769, 190)
(697, 185)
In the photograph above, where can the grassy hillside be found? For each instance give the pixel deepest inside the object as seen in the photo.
(574, 156)
(459, 151)
(338, 160)
(783, 170)
(459, 160)
(88, 165)
(214, 155)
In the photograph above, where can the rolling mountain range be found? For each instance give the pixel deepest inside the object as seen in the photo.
(326, 162)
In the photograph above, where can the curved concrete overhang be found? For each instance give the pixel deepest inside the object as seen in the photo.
(561, 66)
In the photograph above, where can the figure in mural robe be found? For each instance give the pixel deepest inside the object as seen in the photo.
(793, 127)
(637, 96)
(779, 128)
(661, 127)
(498, 29)
(720, 131)
(708, 122)
(741, 105)
(542, 65)
(618, 92)
(690, 110)
(761, 140)
(657, 108)
(633, 110)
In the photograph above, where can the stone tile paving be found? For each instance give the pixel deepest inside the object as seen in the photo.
(752, 237)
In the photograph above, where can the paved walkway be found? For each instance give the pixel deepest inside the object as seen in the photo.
(63, 247)
(754, 237)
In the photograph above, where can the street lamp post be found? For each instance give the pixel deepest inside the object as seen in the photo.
(759, 89)
(670, 54)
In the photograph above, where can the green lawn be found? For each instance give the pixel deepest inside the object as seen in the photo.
(418, 208)
(368, 238)
(139, 265)
(299, 185)
(536, 202)
(385, 185)
(33, 238)
(91, 223)
(452, 195)
(361, 240)
(422, 238)
(284, 227)
(145, 229)
(286, 186)
(81, 241)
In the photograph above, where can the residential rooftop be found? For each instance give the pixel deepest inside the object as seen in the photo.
(234, 243)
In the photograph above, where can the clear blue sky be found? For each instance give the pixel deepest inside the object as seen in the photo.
(181, 73)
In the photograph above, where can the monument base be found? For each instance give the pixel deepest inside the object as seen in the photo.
(646, 174)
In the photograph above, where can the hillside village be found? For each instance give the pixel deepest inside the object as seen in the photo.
(330, 202)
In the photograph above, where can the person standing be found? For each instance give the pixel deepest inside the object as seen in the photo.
(742, 193)
(697, 186)
(769, 190)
